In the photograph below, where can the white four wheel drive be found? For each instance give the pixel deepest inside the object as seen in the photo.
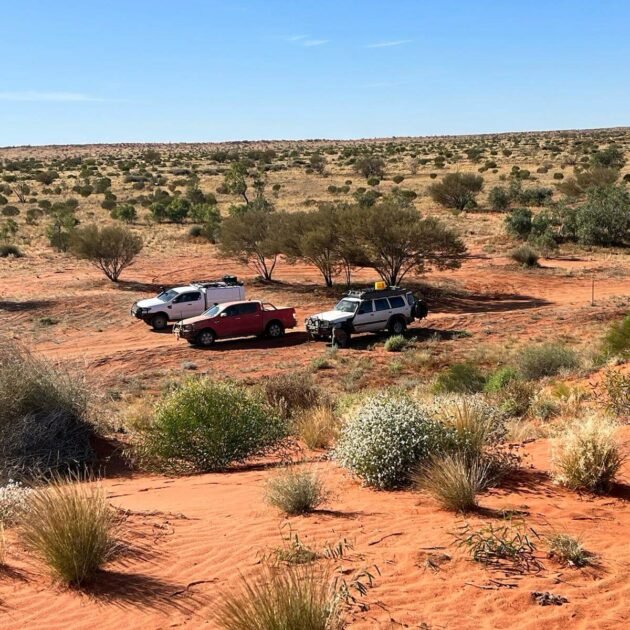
(173, 305)
(370, 310)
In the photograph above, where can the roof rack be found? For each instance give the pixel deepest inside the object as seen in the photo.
(226, 281)
(366, 294)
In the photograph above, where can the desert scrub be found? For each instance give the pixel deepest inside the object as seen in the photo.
(586, 456)
(548, 359)
(385, 438)
(454, 480)
(295, 491)
(69, 526)
(295, 597)
(617, 339)
(568, 550)
(525, 256)
(460, 378)
(293, 392)
(499, 379)
(396, 343)
(617, 387)
(44, 420)
(317, 427)
(13, 501)
(205, 425)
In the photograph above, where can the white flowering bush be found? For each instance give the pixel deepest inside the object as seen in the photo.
(205, 425)
(385, 438)
(13, 501)
(586, 456)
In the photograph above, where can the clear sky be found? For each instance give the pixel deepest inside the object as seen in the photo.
(177, 70)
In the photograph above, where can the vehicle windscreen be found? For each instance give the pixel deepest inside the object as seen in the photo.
(211, 312)
(347, 306)
(167, 296)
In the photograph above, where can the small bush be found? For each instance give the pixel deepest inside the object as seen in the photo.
(293, 392)
(301, 597)
(454, 481)
(586, 456)
(44, 421)
(548, 359)
(525, 255)
(515, 399)
(396, 343)
(617, 339)
(499, 198)
(13, 500)
(10, 250)
(295, 491)
(568, 550)
(460, 378)
(519, 222)
(385, 438)
(617, 386)
(69, 526)
(499, 379)
(204, 426)
(317, 427)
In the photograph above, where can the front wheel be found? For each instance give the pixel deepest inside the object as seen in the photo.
(275, 330)
(205, 338)
(397, 327)
(159, 321)
(341, 338)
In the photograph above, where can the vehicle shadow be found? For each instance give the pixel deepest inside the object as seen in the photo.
(17, 306)
(252, 343)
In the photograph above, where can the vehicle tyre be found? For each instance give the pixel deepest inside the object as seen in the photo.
(341, 338)
(159, 321)
(275, 330)
(205, 338)
(397, 326)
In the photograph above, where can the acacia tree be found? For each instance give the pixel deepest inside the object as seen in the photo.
(457, 190)
(235, 181)
(111, 249)
(252, 237)
(396, 240)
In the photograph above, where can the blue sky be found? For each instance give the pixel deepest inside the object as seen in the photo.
(158, 70)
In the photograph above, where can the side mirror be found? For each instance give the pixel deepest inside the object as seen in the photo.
(224, 314)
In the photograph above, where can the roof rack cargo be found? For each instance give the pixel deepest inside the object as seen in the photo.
(366, 294)
(230, 281)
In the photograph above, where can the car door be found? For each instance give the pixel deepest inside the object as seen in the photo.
(229, 322)
(250, 319)
(364, 319)
(188, 304)
(399, 306)
(382, 313)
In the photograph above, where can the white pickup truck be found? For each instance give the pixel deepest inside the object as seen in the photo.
(177, 303)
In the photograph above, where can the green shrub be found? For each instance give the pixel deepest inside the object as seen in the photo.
(617, 339)
(548, 359)
(69, 526)
(605, 218)
(499, 379)
(292, 393)
(385, 438)
(453, 480)
(586, 456)
(43, 415)
(519, 222)
(396, 343)
(499, 198)
(460, 378)
(568, 550)
(296, 598)
(525, 255)
(457, 190)
(295, 491)
(205, 425)
(617, 386)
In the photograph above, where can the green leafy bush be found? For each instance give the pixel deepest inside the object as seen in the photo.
(519, 222)
(605, 217)
(460, 378)
(385, 438)
(499, 379)
(396, 343)
(617, 339)
(205, 425)
(499, 198)
(548, 359)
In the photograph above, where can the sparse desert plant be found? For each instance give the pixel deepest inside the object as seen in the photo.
(292, 393)
(69, 526)
(525, 255)
(515, 399)
(10, 250)
(295, 491)
(499, 379)
(396, 343)
(587, 456)
(454, 480)
(13, 500)
(617, 386)
(317, 427)
(547, 359)
(460, 378)
(295, 597)
(205, 425)
(568, 550)
(617, 339)
(385, 438)
(44, 420)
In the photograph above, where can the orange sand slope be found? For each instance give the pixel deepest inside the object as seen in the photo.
(188, 539)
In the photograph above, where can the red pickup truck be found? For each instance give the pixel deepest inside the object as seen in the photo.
(236, 319)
